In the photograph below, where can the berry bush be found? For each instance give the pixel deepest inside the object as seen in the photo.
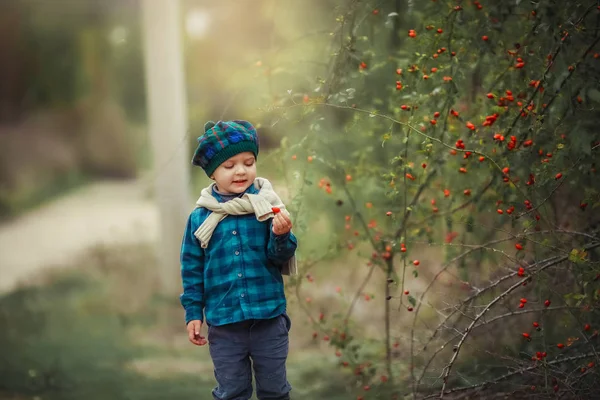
(451, 146)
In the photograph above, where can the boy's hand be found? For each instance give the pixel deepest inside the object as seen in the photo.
(193, 329)
(282, 223)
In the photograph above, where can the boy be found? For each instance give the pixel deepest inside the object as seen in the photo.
(236, 245)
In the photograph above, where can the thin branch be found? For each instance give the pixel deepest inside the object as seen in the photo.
(482, 324)
(448, 368)
(357, 294)
(508, 375)
(571, 72)
(473, 199)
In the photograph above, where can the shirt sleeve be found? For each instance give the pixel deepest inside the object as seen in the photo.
(281, 247)
(192, 272)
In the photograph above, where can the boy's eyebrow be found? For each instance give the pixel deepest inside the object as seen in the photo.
(245, 159)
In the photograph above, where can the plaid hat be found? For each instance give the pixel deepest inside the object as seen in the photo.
(222, 141)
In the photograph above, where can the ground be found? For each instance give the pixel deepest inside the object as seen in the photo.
(52, 235)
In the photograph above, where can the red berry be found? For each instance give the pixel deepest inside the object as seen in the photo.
(536, 325)
(587, 327)
(416, 262)
(558, 176)
(526, 335)
(276, 210)
(519, 246)
(547, 303)
(560, 345)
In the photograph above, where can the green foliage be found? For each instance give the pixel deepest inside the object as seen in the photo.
(62, 342)
(474, 134)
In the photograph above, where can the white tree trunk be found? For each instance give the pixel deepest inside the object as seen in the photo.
(167, 117)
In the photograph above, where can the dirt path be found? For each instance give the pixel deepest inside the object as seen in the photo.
(101, 213)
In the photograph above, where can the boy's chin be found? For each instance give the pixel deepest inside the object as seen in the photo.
(238, 188)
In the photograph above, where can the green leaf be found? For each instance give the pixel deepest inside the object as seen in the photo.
(412, 300)
(415, 273)
(594, 94)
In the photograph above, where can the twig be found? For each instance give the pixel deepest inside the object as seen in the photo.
(485, 323)
(448, 368)
(508, 375)
(571, 72)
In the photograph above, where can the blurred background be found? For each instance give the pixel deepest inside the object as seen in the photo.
(101, 102)
(89, 307)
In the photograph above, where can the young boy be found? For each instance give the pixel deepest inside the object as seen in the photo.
(236, 245)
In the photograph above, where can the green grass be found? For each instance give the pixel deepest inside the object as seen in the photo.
(60, 342)
(100, 331)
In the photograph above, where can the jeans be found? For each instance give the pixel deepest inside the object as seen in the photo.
(238, 348)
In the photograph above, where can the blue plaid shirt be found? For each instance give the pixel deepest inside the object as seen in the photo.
(237, 277)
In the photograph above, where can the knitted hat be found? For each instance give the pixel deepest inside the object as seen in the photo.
(222, 141)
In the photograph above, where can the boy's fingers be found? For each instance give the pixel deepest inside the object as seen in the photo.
(276, 224)
(193, 330)
(191, 335)
(288, 222)
(200, 340)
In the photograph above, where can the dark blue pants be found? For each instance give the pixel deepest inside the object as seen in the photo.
(258, 344)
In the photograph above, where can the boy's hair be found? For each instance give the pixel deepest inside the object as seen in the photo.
(222, 141)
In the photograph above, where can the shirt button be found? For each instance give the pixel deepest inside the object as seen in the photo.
(242, 294)
(234, 232)
(240, 275)
(237, 253)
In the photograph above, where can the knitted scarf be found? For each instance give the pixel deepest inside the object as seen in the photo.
(260, 204)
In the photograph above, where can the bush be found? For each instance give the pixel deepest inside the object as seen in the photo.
(465, 130)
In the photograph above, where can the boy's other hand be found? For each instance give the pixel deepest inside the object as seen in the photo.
(193, 329)
(282, 223)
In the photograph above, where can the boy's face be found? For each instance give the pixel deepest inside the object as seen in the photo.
(236, 174)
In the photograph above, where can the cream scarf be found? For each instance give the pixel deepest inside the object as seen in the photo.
(259, 204)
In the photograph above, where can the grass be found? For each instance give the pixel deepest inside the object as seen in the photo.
(99, 330)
